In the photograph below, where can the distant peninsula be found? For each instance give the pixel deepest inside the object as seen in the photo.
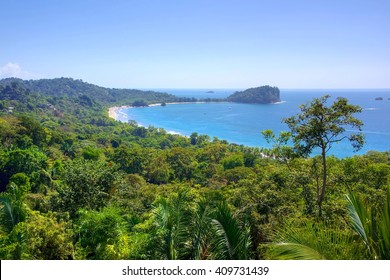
(258, 95)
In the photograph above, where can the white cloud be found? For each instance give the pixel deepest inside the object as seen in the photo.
(14, 70)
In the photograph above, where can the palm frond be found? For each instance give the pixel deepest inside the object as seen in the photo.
(230, 240)
(8, 214)
(313, 241)
(359, 216)
(200, 232)
(222, 249)
(295, 251)
(170, 217)
(384, 229)
(246, 242)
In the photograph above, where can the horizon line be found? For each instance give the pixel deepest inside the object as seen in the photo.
(205, 88)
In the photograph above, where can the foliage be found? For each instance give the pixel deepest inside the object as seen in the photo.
(46, 238)
(182, 163)
(139, 103)
(158, 170)
(319, 126)
(197, 232)
(281, 149)
(314, 242)
(231, 241)
(319, 241)
(263, 94)
(233, 161)
(86, 184)
(13, 209)
(91, 153)
(171, 219)
(29, 161)
(77, 184)
(10, 130)
(372, 226)
(101, 235)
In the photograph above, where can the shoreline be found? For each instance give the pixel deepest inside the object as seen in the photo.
(375, 142)
(113, 111)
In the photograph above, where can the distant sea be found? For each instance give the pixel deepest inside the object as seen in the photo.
(243, 123)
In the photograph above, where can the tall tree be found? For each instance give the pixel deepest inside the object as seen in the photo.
(321, 126)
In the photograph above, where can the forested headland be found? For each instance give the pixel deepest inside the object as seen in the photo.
(76, 184)
(257, 95)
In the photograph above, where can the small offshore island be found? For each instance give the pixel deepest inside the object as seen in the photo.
(258, 95)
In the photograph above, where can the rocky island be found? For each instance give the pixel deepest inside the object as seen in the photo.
(258, 95)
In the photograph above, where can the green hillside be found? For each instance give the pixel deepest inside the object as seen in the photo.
(261, 95)
(76, 184)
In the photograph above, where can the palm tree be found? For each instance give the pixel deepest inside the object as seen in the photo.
(200, 233)
(12, 207)
(12, 212)
(170, 218)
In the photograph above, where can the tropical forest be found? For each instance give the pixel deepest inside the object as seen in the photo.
(76, 184)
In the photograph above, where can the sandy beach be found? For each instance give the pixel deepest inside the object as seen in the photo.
(113, 111)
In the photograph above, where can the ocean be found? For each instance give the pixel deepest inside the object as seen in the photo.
(243, 123)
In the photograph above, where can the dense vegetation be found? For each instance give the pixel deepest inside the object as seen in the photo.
(78, 185)
(262, 95)
(77, 91)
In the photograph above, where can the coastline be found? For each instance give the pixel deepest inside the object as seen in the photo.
(113, 111)
(267, 116)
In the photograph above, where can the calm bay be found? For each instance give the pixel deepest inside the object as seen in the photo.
(242, 123)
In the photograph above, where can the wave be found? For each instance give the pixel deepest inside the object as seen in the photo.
(368, 132)
(173, 132)
(371, 109)
(280, 102)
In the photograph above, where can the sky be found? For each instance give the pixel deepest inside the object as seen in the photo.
(198, 43)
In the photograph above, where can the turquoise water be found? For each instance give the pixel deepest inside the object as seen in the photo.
(242, 123)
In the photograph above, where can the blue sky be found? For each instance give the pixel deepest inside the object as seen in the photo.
(199, 44)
